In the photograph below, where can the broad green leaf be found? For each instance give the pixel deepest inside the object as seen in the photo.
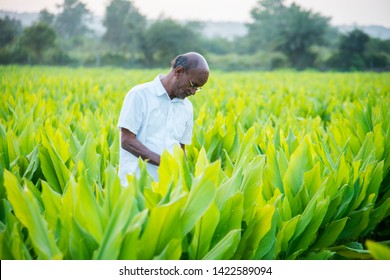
(54, 169)
(81, 243)
(351, 251)
(267, 246)
(377, 215)
(200, 197)
(48, 169)
(330, 234)
(131, 242)
(168, 173)
(87, 213)
(285, 234)
(164, 223)
(378, 250)
(34, 164)
(112, 189)
(312, 180)
(373, 181)
(202, 162)
(252, 178)
(228, 188)
(53, 138)
(300, 162)
(27, 211)
(52, 203)
(322, 255)
(308, 236)
(203, 234)
(230, 218)
(357, 223)
(109, 248)
(171, 252)
(225, 249)
(276, 167)
(347, 198)
(257, 228)
(227, 164)
(90, 159)
(246, 148)
(11, 236)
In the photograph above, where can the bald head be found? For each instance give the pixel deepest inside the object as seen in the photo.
(190, 61)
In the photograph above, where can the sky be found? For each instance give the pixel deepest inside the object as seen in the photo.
(341, 12)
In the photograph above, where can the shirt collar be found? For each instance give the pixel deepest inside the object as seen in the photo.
(160, 90)
(158, 86)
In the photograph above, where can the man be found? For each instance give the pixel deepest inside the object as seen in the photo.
(157, 115)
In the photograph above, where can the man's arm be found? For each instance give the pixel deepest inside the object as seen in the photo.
(131, 144)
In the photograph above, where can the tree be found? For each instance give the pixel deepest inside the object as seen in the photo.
(165, 39)
(71, 21)
(38, 38)
(288, 29)
(124, 25)
(46, 17)
(354, 42)
(377, 53)
(351, 52)
(10, 50)
(9, 30)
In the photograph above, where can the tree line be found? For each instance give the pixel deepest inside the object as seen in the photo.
(279, 36)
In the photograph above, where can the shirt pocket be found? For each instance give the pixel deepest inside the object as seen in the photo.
(178, 126)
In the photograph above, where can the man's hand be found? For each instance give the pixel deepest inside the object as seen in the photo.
(130, 143)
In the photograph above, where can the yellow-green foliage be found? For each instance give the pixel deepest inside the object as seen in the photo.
(283, 165)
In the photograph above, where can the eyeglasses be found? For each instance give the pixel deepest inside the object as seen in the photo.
(192, 85)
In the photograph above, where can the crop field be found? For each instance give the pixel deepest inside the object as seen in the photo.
(282, 166)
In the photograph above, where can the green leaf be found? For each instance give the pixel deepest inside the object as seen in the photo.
(109, 248)
(90, 159)
(27, 211)
(228, 188)
(258, 227)
(276, 167)
(245, 151)
(201, 195)
(171, 252)
(285, 234)
(54, 169)
(203, 234)
(112, 189)
(252, 179)
(34, 164)
(88, 213)
(81, 244)
(11, 236)
(225, 249)
(311, 230)
(201, 163)
(131, 240)
(322, 255)
(300, 162)
(352, 252)
(330, 234)
(357, 222)
(378, 251)
(162, 226)
(230, 218)
(52, 203)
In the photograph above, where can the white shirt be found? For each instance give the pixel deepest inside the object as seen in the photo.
(157, 121)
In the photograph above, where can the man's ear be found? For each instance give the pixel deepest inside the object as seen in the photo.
(178, 71)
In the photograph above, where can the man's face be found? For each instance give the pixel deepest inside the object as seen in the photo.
(189, 82)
